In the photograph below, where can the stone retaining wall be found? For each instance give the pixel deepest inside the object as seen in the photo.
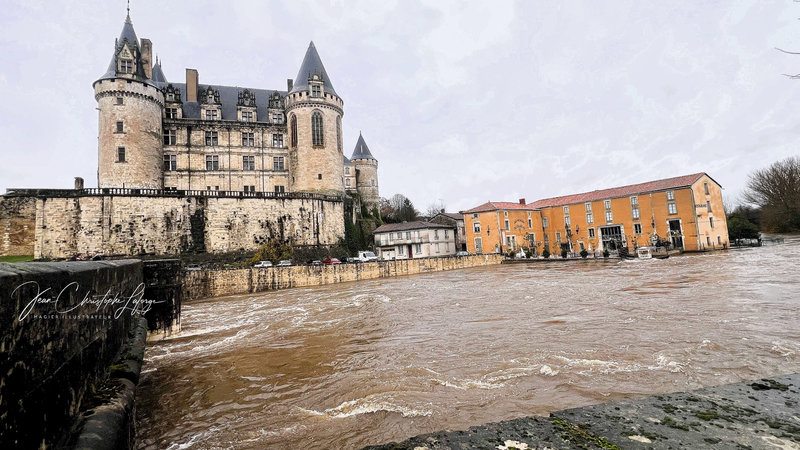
(216, 283)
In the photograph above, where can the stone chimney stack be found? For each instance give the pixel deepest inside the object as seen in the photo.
(192, 79)
(289, 85)
(78, 183)
(442, 211)
(147, 57)
(522, 201)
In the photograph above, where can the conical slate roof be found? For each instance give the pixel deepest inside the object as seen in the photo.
(312, 64)
(158, 74)
(346, 161)
(128, 34)
(361, 151)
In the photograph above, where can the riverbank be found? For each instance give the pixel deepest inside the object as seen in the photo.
(217, 283)
(753, 414)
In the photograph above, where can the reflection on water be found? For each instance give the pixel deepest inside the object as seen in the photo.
(347, 365)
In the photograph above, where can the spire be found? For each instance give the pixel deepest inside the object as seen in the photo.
(312, 65)
(361, 151)
(158, 73)
(127, 35)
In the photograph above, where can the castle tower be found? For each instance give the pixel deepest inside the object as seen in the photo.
(130, 105)
(314, 114)
(366, 172)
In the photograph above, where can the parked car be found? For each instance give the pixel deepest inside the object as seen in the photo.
(263, 264)
(351, 260)
(463, 253)
(193, 267)
(366, 256)
(316, 262)
(284, 263)
(332, 261)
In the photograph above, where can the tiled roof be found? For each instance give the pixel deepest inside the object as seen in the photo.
(312, 65)
(494, 206)
(418, 225)
(454, 216)
(622, 191)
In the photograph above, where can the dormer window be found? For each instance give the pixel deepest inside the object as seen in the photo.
(247, 116)
(211, 114)
(316, 91)
(170, 97)
(126, 66)
(277, 118)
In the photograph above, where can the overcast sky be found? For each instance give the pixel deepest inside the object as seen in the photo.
(460, 102)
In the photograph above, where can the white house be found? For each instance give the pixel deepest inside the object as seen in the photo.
(410, 240)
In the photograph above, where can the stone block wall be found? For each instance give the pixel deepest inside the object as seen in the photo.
(216, 283)
(50, 362)
(135, 225)
(17, 225)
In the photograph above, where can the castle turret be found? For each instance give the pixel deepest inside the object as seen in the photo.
(314, 113)
(366, 172)
(130, 106)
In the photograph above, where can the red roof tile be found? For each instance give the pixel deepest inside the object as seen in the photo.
(622, 191)
(494, 206)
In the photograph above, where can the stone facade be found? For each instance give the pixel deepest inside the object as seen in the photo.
(112, 225)
(17, 225)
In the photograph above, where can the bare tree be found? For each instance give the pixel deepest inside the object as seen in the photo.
(776, 190)
(434, 209)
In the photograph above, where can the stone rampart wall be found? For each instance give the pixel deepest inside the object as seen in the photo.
(17, 224)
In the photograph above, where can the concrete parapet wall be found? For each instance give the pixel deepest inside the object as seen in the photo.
(51, 362)
(216, 283)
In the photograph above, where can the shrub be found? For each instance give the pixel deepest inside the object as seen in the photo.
(563, 253)
(605, 253)
(546, 253)
(584, 253)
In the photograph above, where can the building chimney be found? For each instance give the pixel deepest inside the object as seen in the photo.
(442, 211)
(147, 57)
(289, 85)
(191, 85)
(78, 183)
(522, 201)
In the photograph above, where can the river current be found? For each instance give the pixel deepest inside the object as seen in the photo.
(353, 364)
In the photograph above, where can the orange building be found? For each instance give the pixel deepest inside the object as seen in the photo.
(687, 211)
(496, 227)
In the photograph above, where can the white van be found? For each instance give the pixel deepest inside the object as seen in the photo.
(366, 256)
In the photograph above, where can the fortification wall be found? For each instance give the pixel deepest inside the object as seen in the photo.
(168, 225)
(17, 224)
(216, 283)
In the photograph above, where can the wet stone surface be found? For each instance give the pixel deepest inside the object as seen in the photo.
(757, 414)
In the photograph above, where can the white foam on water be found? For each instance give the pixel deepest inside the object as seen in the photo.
(662, 362)
(370, 404)
(547, 370)
(784, 349)
(193, 440)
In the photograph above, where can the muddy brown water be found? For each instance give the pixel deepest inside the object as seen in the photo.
(348, 365)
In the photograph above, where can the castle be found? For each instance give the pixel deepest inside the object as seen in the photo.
(156, 134)
(190, 167)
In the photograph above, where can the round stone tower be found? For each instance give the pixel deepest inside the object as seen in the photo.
(366, 173)
(129, 136)
(314, 113)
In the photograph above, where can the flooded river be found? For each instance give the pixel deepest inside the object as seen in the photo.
(353, 364)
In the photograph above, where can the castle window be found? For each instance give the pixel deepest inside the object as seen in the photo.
(247, 116)
(170, 97)
(373, 182)
(250, 188)
(277, 140)
(126, 66)
(277, 163)
(172, 113)
(120, 126)
(277, 118)
(247, 139)
(316, 91)
(316, 129)
(120, 100)
(211, 114)
(212, 138)
(280, 189)
(248, 163)
(294, 130)
(347, 171)
(339, 133)
(120, 154)
(212, 162)
(319, 176)
(637, 228)
(170, 163)
(170, 137)
(347, 182)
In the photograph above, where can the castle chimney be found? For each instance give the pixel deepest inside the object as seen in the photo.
(78, 183)
(289, 84)
(147, 57)
(522, 201)
(191, 85)
(442, 211)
